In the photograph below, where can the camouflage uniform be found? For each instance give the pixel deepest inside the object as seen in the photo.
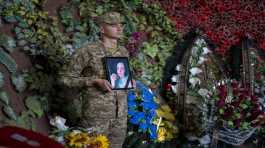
(105, 112)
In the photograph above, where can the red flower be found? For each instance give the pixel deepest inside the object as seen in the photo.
(237, 17)
(168, 87)
(221, 103)
(262, 44)
(254, 98)
(236, 103)
(228, 113)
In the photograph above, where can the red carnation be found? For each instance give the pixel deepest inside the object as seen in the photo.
(168, 87)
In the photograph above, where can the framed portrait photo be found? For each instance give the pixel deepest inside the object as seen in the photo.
(118, 72)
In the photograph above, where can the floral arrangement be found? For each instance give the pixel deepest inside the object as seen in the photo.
(224, 22)
(76, 137)
(145, 112)
(237, 107)
(199, 103)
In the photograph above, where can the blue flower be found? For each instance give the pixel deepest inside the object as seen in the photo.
(149, 105)
(140, 85)
(131, 96)
(131, 112)
(143, 126)
(137, 117)
(132, 104)
(147, 95)
(152, 113)
(152, 132)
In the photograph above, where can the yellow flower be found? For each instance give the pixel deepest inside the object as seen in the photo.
(161, 135)
(77, 140)
(166, 108)
(167, 115)
(101, 141)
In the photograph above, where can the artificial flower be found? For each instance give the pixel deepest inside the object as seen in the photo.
(202, 60)
(168, 87)
(100, 141)
(178, 67)
(132, 104)
(241, 109)
(137, 117)
(147, 95)
(131, 96)
(161, 136)
(145, 113)
(78, 140)
(153, 132)
(174, 78)
(174, 89)
(194, 81)
(205, 51)
(167, 115)
(204, 92)
(149, 105)
(195, 70)
(143, 126)
(59, 123)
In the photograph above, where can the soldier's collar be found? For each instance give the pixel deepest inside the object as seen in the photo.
(110, 50)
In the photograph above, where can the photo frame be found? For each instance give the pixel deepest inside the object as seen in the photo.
(118, 72)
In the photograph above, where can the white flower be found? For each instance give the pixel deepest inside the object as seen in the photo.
(60, 139)
(200, 42)
(194, 51)
(195, 70)
(175, 78)
(174, 89)
(205, 51)
(205, 140)
(178, 67)
(194, 81)
(59, 122)
(203, 92)
(202, 60)
(89, 130)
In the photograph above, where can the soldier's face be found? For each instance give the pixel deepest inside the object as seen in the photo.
(112, 30)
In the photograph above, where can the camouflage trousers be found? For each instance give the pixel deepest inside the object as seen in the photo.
(106, 114)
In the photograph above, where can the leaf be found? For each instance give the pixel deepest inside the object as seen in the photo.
(2, 81)
(34, 105)
(4, 98)
(221, 111)
(244, 106)
(129, 27)
(10, 19)
(8, 61)
(19, 82)
(245, 125)
(150, 50)
(24, 120)
(22, 42)
(10, 113)
(23, 24)
(230, 123)
(7, 42)
(79, 39)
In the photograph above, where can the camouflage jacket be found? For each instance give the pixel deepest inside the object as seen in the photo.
(99, 109)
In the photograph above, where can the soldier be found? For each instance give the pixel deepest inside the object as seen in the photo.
(103, 109)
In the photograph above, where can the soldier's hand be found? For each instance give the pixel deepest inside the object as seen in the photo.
(104, 84)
